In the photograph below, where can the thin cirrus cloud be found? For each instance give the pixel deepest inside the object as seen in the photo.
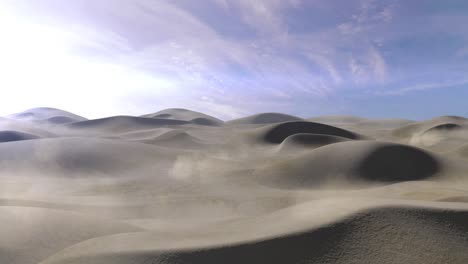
(226, 58)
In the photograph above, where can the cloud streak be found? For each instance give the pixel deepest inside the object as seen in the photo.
(235, 57)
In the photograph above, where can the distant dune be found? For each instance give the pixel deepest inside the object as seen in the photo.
(352, 161)
(264, 118)
(45, 113)
(179, 186)
(186, 115)
(122, 124)
(337, 119)
(7, 136)
(279, 132)
(304, 141)
(61, 120)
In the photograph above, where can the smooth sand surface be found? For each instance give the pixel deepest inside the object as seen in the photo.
(179, 186)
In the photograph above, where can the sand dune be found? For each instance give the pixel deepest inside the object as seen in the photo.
(445, 126)
(352, 162)
(121, 124)
(39, 232)
(403, 237)
(205, 121)
(279, 132)
(186, 115)
(176, 139)
(264, 118)
(44, 113)
(444, 122)
(336, 119)
(179, 186)
(60, 120)
(80, 156)
(7, 136)
(304, 141)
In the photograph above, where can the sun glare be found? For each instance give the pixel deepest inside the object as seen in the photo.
(38, 66)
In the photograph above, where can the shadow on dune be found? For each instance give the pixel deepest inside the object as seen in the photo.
(186, 115)
(61, 120)
(9, 136)
(397, 163)
(205, 122)
(277, 133)
(305, 140)
(126, 121)
(381, 235)
(352, 162)
(264, 118)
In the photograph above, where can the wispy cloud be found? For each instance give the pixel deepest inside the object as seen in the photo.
(424, 86)
(168, 54)
(266, 16)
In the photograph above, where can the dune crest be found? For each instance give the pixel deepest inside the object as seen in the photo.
(352, 161)
(8, 136)
(186, 115)
(264, 118)
(276, 134)
(40, 113)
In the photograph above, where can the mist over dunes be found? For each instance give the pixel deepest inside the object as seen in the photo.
(180, 186)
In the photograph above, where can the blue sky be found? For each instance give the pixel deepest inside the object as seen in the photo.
(392, 58)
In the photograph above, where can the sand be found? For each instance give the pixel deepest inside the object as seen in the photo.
(179, 186)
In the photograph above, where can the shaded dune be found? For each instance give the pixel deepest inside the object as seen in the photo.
(277, 133)
(359, 122)
(308, 141)
(398, 163)
(337, 119)
(380, 235)
(147, 133)
(32, 234)
(32, 128)
(82, 156)
(462, 151)
(175, 139)
(9, 135)
(442, 123)
(264, 118)
(160, 116)
(60, 120)
(186, 115)
(407, 130)
(443, 127)
(204, 121)
(455, 199)
(453, 117)
(383, 123)
(125, 123)
(353, 161)
(41, 113)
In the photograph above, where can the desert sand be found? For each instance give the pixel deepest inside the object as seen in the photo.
(179, 186)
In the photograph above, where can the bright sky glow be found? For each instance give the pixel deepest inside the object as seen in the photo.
(38, 67)
(233, 58)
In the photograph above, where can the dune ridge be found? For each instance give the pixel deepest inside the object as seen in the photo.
(186, 115)
(277, 133)
(44, 113)
(123, 124)
(264, 118)
(9, 135)
(325, 244)
(368, 161)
